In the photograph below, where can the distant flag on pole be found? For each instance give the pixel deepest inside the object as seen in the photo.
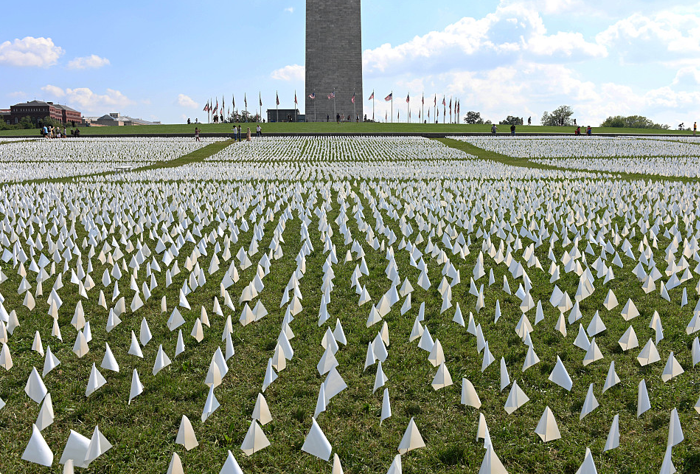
(353, 98)
(450, 105)
(312, 96)
(435, 100)
(443, 101)
(233, 101)
(216, 107)
(260, 98)
(422, 99)
(408, 98)
(331, 95)
(245, 100)
(372, 96)
(277, 99)
(389, 97)
(295, 98)
(386, 116)
(206, 107)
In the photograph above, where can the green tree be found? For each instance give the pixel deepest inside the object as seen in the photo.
(633, 121)
(618, 121)
(473, 118)
(26, 122)
(561, 116)
(510, 120)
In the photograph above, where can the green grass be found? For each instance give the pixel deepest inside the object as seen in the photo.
(144, 432)
(325, 128)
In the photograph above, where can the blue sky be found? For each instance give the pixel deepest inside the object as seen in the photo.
(164, 60)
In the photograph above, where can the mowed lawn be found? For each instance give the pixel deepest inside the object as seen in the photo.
(143, 433)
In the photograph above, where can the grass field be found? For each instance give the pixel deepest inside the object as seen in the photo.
(143, 433)
(322, 128)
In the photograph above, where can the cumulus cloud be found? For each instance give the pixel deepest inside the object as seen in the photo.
(186, 101)
(289, 9)
(88, 62)
(290, 73)
(662, 37)
(513, 32)
(30, 52)
(87, 100)
(688, 77)
(53, 90)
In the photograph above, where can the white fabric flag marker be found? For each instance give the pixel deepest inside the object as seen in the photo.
(37, 451)
(469, 395)
(442, 378)
(395, 467)
(643, 403)
(672, 369)
(380, 378)
(547, 428)
(254, 440)
(612, 379)
(270, 375)
(80, 348)
(505, 378)
(588, 466)
(613, 440)
(386, 407)
(516, 398)
(175, 466)
(675, 432)
(185, 435)
(50, 362)
(589, 404)
(491, 464)
(649, 354)
(162, 360)
(337, 468)
(35, 388)
(412, 439)
(108, 361)
(320, 401)
(5, 357)
(135, 349)
(261, 411)
(68, 467)
(316, 442)
(667, 466)
(560, 376)
(76, 449)
(211, 405)
(231, 465)
(95, 381)
(628, 340)
(97, 447)
(136, 386)
(45, 417)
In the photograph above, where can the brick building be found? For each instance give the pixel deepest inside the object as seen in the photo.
(38, 110)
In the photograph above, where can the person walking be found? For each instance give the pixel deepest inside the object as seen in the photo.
(512, 130)
(258, 131)
(238, 132)
(494, 129)
(695, 128)
(196, 134)
(337, 118)
(589, 130)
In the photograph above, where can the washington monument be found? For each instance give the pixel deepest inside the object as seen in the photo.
(333, 59)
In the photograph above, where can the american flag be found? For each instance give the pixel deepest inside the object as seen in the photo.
(435, 100)
(408, 98)
(372, 96)
(295, 98)
(389, 97)
(422, 99)
(353, 98)
(312, 96)
(443, 101)
(277, 98)
(331, 96)
(216, 107)
(233, 100)
(206, 107)
(260, 98)
(245, 100)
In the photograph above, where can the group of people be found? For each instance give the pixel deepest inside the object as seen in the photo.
(236, 133)
(494, 130)
(342, 118)
(589, 130)
(49, 131)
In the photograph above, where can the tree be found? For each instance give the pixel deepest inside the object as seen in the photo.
(473, 118)
(510, 120)
(561, 116)
(633, 121)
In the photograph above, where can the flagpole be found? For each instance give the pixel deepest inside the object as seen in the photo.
(372, 106)
(422, 104)
(335, 112)
(392, 106)
(295, 105)
(315, 118)
(277, 106)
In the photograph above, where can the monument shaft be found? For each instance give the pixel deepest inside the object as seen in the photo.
(333, 59)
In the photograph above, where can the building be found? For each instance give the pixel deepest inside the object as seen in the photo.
(115, 119)
(333, 60)
(285, 115)
(39, 110)
(5, 116)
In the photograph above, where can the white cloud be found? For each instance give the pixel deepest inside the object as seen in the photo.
(30, 52)
(86, 100)
(688, 77)
(186, 101)
(289, 9)
(663, 37)
(88, 62)
(17, 94)
(513, 32)
(53, 90)
(290, 73)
